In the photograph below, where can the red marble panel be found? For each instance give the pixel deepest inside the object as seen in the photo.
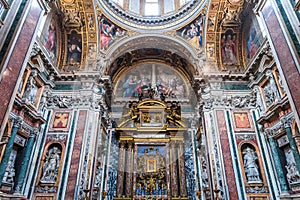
(230, 178)
(284, 54)
(76, 155)
(14, 66)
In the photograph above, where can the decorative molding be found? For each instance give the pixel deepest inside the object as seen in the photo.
(46, 189)
(229, 101)
(57, 137)
(257, 189)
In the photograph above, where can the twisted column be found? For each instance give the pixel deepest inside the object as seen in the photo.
(121, 169)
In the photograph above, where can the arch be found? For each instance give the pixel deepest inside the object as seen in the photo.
(162, 42)
(250, 144)
(60, 147)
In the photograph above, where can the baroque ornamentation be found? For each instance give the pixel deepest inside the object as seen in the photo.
(46, 189)
(229, 101)
(257, 189)
(56, 137)
(94, 101)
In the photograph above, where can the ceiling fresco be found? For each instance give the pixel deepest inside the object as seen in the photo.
(211, 38)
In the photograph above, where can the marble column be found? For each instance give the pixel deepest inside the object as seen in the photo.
(278, 166)
(25, 162)
(16, 124)
(174, 175)
(129, 171)
(293, 145)
(121, 169)
(182, 175)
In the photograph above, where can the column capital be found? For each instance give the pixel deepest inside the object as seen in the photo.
(34, 132)
(286, 122)
(17, 121)
(130, 144)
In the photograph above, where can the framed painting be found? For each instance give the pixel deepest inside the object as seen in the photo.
(151, 165)
(242, 121)
(60, 121)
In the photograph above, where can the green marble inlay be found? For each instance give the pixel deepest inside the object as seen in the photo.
(67, 87)
(234, 86)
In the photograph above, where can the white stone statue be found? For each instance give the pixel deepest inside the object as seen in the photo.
(51, 165)
(250, 166)
(9, 174)
(30, 91)
(292, 171)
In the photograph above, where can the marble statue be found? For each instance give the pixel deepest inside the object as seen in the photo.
(51, 165)
(30, 91)
(9, 173)
(292, 172)
(250, 166)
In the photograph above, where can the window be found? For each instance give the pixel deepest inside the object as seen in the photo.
(151, 8)
(119, 2)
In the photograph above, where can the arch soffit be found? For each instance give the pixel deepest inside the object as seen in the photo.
(162, 42)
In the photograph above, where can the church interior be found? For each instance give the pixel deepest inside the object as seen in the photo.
(149, 99)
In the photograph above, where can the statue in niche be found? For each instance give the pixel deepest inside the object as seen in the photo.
(9, 173)
(269, 95)
(292, 172)
(250, 166)
(51, 165)
(30, 91)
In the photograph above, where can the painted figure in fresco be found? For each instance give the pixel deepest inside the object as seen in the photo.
(107, 32)
(252, 43)
(228, 49)
(193, 33)
(74, 49)
(51, 38)
(51, 165)
(250, 166)
(129, 86)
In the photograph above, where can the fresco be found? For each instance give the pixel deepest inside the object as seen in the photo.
(74, 48)
(51, 39)
(193, 33)
(229, 47)
(109, 33)
(253, 37)
(160, 77)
